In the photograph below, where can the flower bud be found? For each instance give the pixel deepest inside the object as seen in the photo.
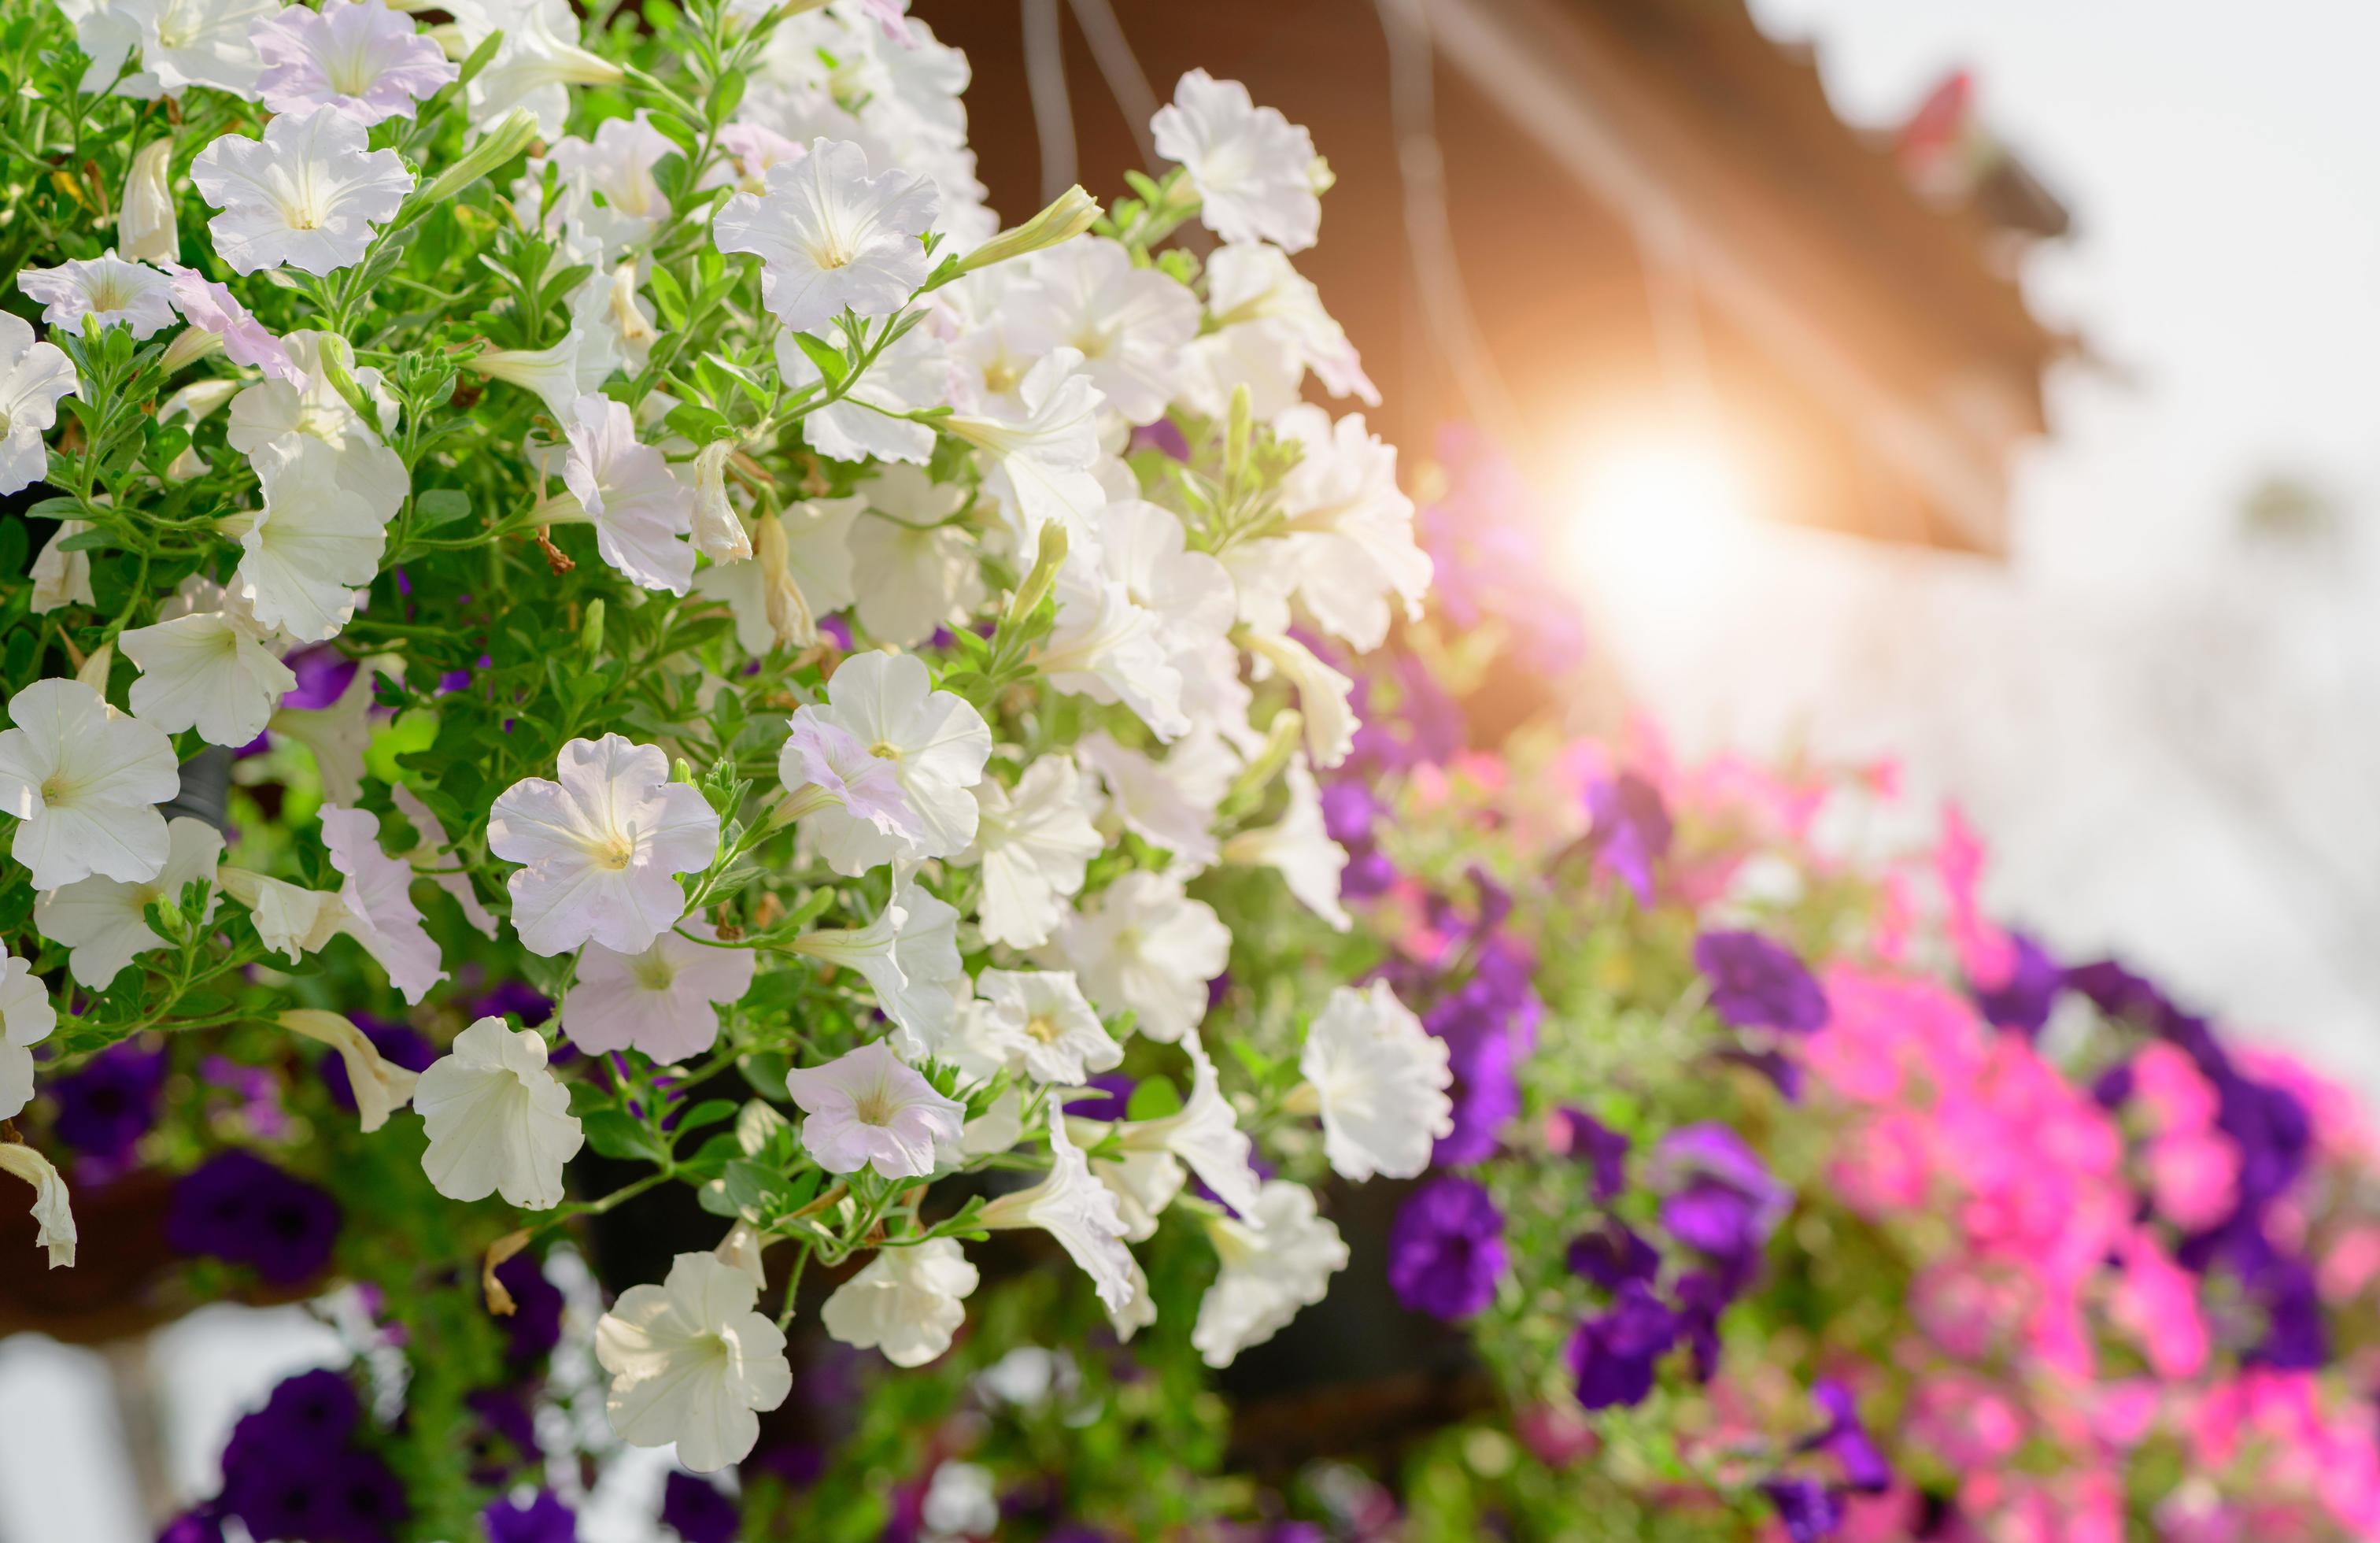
(190, 346)
(512, 134)
(145, 231)
(1037, 584)
(719, 532)
(1073, 213)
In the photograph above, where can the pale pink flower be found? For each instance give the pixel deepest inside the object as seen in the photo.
(663, 1001)
(864, 1109)
(825, 765)
(106, 287)
(2157, 1303)
(640, 510)
(212, 307)
(382, 914)
(365, 61)
(603, 847)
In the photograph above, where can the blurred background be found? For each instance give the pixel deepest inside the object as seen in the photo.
(1987, 388)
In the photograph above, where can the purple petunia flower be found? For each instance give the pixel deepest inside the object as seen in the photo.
(1612, 1355)
(1348, 810)
(1628, 830)
(699, 1511)
(1847, 1440)
(1613, 1256)
(1447, 1251)
(1162, 436)
(1809, 1509)
(310, 1415)
(1590, 1139)
(535, 1326)
(110, 1101)
(1725, 1203)
(397, 1044)
(543, 1520)
(323, 676)
(1756, 983)
(290, 1471)
(201, 1525)
(515, 999)
(237, 1206)
(2023, 1001)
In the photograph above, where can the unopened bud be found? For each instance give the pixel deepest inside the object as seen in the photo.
(145, 230)
(511, 136)
(190, 346)
(1048, 559)
(1071, 213)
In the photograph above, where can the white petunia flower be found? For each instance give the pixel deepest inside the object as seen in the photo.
(1168, 803)
(1143, 1184)
(1379, 1081)
(104, 922)
(905, 1303)
(299, 402)
(1277, 1261)
(54, 1219)
(1349, 528)
(800, 571)
(1128, 324)
(213, 669)
(913, 569)
(193, 43)
(640, 509)
(536, 65)
(1040, 1019)
(380, 912)
(60, 577)
(1268, 328)
(379, 1086)
(1254, 169)
(1076, 1210)
(1299, 848)
(146, 230)
(1204, 1133)
(106, 288)
(1143, 547)
(308, 195)
(33, 376)
(433, 858)
(665, 1002)
(938, 744)
(1322, 694)
(83, 781)
(909, 957)
(830, 237)
(691, 1362)
(866, 1109)
(1105, 647)
(498, 1121)
(1042, 457)
(290, 919)
(1033, 842)
(26, 1016)
(603, 847)
(824, 765)
(610, 200)
(363, 60)
(1140, 945)
(307, 554)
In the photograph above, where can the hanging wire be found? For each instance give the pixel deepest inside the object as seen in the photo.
(1126, 81)
(1429, 231)
(1045, 81)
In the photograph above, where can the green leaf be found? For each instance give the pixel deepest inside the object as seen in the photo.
(1154, 1098)
(824, 357)
(94, 540)
(709, 1112)
(613, 1133)
(439, 506)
